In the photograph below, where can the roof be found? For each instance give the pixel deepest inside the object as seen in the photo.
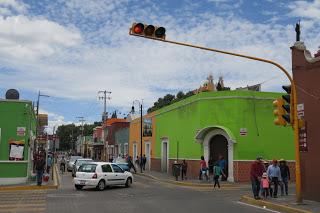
(115, 120)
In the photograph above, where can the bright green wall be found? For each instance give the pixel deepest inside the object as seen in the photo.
(15, 114)
(231, 109)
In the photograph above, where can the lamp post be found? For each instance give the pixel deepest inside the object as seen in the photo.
(132, 110)
(38, 105)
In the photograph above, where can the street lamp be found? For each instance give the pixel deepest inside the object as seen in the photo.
(38, 105)
(132, 110)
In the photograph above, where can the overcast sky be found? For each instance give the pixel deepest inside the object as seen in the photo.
(71, 49)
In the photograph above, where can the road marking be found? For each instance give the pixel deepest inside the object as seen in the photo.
(66, 195)
(258, 207)
(24, 210)
(15, 205)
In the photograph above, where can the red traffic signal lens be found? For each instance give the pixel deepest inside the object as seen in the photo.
(138, 28)
(149, 30)
(160, 32)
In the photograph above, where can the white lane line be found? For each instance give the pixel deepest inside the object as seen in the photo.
(258, 207)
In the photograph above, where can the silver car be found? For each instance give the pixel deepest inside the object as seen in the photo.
(71, 162)
(78, 163)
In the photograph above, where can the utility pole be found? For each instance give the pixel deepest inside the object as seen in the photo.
(37, 116)
(104, 118)
(81, 119)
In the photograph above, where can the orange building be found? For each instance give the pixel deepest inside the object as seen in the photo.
(148, 139)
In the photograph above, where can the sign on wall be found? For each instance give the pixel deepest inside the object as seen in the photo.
(21, 131)
(147, 127)
(243, 132)
(16, 148)
(303, 145)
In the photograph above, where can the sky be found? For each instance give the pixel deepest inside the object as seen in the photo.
(71, 49)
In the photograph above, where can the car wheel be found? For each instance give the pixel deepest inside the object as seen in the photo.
(129, 182)
(78, 187)
(101, 185)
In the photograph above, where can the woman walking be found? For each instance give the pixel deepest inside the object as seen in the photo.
(217, 172)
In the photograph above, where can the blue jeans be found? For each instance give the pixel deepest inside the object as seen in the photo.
(255, 187)
(284, 185)
(39, 177)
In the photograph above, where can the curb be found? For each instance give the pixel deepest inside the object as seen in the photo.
(272, 206)
(55, 184)
(205, 185)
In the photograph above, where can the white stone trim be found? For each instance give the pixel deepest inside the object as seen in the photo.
(10, 181)
(149, 154)
(206, 141)
(162, 142)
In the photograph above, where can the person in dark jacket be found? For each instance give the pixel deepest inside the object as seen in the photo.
(40, 167)
(256, 172)
(285, 176)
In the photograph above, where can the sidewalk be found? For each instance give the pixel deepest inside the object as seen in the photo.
(284, 203)
(168, 178)
(52, 183)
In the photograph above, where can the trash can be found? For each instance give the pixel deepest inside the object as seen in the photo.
(176, 170)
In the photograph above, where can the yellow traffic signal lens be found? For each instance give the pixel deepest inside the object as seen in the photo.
(149, 30)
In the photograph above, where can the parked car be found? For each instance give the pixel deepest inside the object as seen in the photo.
(122, 163)
(100, 175)
(71, 162)
(78, 163)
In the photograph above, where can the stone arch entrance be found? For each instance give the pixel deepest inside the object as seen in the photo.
(219, 139)
(218, 146)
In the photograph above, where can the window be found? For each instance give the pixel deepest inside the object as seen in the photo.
(87, 168)
(117, 169)
(106, 168)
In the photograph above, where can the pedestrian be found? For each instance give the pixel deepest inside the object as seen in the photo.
(222, 163)
(265, 185)
(203, 169)
(274, 175)
(210, 166)
(256, 172)
(217, 172)
(184, 168)
(40, 167)
(137, 161)
(62, 164)
(49, 164)
(285, 176)
(144, 161)
(130, 164)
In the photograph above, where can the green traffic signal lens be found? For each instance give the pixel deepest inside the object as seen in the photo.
(149, 30)
(286, 98)
(160, 32)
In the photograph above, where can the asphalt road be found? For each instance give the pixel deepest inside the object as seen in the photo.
(144, 196)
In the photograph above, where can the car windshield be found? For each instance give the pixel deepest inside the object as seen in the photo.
(80, 162)
(88, 168)
(120, 160)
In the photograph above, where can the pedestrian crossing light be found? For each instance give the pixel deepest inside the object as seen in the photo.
(149, 31)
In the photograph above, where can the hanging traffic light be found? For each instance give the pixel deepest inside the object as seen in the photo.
(148, 31)
(279, 112)
(287, 106)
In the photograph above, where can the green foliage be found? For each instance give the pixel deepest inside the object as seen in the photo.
(68, 134)
(169, 99)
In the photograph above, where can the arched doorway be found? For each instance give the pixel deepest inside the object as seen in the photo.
(218, 146)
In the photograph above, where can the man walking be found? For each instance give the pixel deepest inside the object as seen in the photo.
(256, 172)
(144, 161)
(40, 167)
(130, 164)
(285, 176)
(274, 175)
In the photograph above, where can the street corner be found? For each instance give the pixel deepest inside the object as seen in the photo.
(272, 206)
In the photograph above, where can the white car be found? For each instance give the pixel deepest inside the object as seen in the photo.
(100, 175)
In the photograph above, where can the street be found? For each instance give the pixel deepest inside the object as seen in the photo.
(145, 195)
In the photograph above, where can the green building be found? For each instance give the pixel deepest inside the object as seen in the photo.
(17, 133)
(237, 125)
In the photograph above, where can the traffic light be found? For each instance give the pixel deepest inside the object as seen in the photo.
(148, 31)
(287, 106)
(279, 112)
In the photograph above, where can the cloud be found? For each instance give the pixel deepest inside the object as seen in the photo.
(31, 38)
(305, 9)
(78, 49)
(9, 7)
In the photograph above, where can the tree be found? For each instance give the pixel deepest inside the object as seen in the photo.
(180, 95)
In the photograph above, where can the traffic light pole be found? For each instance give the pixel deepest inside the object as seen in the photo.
(294, 94)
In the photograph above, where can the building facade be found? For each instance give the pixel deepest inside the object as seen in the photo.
(237, 125)
(306, 75)
(17, 136)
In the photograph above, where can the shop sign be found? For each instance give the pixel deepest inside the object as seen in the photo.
(243, 132)
(21, 131)
(303, 145)
(300, 111)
